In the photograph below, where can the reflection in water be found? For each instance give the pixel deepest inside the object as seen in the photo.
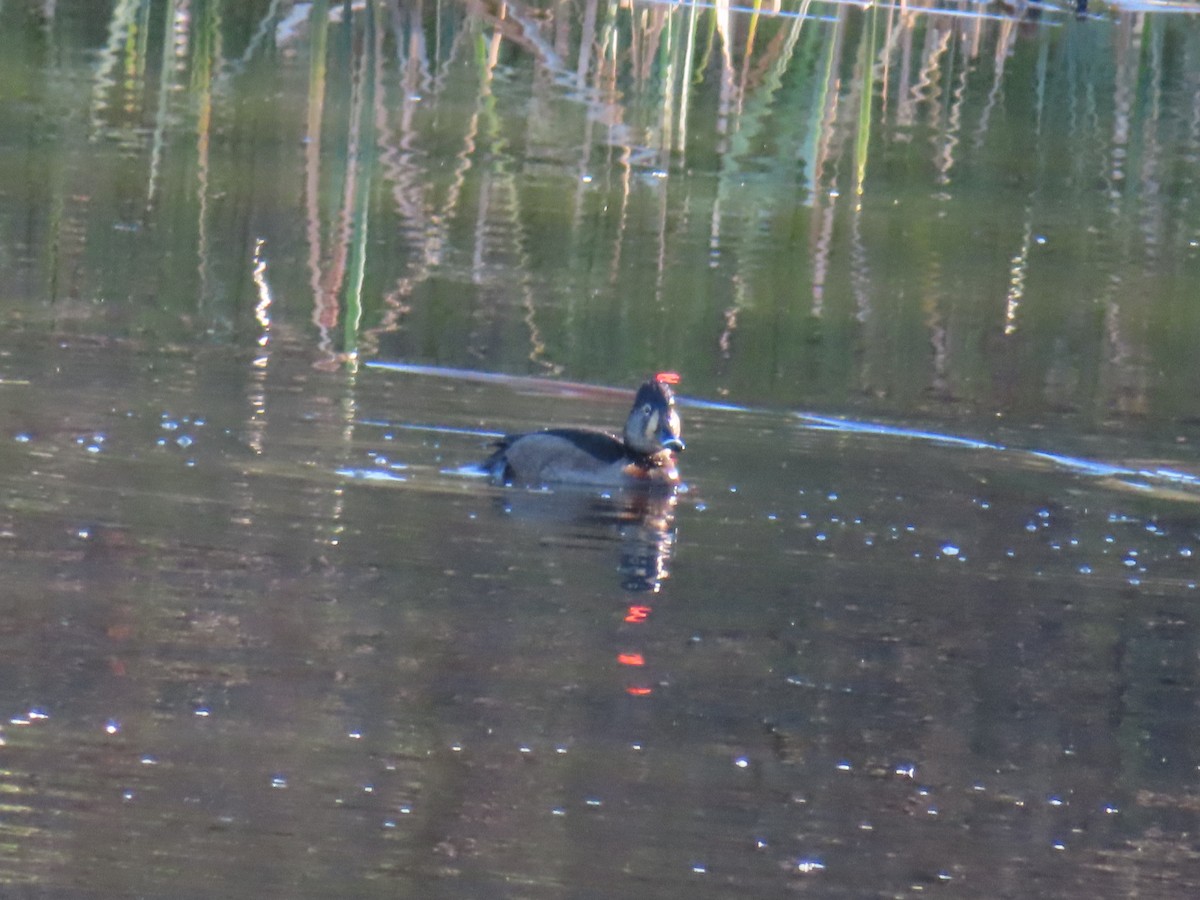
(643, 520)
(644, 523)
(646, 542)
(833, 211)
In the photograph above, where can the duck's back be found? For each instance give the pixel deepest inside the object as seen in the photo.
(579, 455)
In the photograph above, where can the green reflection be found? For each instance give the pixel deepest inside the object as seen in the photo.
(913, 210)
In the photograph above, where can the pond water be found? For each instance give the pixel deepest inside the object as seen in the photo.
(923, 617)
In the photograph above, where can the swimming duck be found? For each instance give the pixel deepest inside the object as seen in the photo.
(590, 456)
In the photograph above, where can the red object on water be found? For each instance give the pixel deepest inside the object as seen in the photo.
(667, 377)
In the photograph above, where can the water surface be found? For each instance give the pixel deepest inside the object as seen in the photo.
(923, 618)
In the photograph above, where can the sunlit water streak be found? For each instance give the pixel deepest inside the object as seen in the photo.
(1077, 464)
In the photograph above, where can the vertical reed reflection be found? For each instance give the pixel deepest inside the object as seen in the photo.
(551, 175)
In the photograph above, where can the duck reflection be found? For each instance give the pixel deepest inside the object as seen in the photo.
(643, 520)
(644, 524)
(647, 538)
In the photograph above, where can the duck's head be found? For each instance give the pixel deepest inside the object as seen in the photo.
(653, 423)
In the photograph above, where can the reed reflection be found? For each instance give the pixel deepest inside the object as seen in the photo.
(903, 202)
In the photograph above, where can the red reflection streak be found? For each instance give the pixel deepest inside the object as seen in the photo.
(637, 614)
(638, 691)
(631, 659)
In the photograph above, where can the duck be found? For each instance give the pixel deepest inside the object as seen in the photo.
(643, 455)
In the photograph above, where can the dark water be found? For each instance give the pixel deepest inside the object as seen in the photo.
(262, 638)
(923, 619)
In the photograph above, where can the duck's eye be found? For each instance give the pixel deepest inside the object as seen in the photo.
(647, 409)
